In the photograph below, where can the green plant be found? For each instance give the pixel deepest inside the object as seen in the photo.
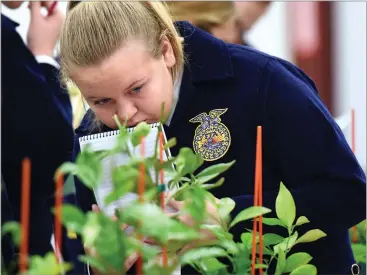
(186, 245)
(359, 247)
(46, 265)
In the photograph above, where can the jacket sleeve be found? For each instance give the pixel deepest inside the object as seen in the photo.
(37, 113)
(304, 143)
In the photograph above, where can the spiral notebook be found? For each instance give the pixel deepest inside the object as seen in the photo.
(107, 141)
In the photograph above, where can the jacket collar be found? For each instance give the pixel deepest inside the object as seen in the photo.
(6, 22)
(200, 48)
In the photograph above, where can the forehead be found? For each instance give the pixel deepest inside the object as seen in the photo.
(126, 65)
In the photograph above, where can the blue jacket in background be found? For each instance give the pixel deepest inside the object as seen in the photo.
(303, 147)
(36, 122)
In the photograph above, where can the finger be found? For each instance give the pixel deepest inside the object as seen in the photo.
(130, 261)
(124, 226)
(35, 7)
(95, 208)
(90, 251)
(149, 241)
(176, 204)
(46, 4)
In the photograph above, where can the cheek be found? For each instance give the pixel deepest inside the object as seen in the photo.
(105, 115)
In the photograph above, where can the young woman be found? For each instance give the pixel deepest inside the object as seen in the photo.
(128, 57)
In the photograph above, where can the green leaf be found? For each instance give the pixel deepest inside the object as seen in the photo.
(296, 260)
(280, 263)
(211, 264)
(258, 266)
(225, 207)
(273, 222)
(242, 260)
(48, 265)
(195, 204)
(69, 187)
(246, 239)
(141, 131)
(73, 218)
(170, 143)
(249, 213)
(93, 262)
(213, 171)
(88, 168)
(305, 269)
(143, 215)
(123, 173)
(119, 192)
(12, 228)
(213, 185)
(91, 229)
(302, 220)
(187, 162)
(359, 252)
(311, 236)
(271, 239)
(286, 244)
(200, 253)
(268, 239)
(285, 206)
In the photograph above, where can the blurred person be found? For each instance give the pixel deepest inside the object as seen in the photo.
(36, 120)
(225, 20)
(249, 12)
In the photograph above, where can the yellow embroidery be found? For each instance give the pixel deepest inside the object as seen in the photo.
(71, 234)
(212, 138)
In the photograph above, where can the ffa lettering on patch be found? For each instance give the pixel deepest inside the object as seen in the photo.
(212, 138)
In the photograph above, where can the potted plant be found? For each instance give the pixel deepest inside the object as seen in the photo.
(112, 245)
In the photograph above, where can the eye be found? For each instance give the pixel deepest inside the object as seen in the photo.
(101, 101)
(137, 90)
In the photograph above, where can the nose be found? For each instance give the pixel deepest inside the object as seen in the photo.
(126, 111)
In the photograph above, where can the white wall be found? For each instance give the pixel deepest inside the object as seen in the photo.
(350, 67)
(270, 33)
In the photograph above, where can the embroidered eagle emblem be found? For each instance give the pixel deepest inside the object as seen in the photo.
(212, 138)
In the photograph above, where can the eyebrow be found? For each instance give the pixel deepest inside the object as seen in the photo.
(127, 88)
(134, 83)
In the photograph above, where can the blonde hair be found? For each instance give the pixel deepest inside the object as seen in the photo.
(203, 14)
(93, 31)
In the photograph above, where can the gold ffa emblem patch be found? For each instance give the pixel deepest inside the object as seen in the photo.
(212, 138)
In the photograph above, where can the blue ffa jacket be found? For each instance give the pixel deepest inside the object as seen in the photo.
(36, 118)
(240, 88)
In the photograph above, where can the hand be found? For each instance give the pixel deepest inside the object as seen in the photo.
(208, 237)
(211, 210)
(44, 31)
(129, 262)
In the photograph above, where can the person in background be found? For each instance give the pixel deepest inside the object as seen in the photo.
(225, 20)
(249, 12)
(36, 119)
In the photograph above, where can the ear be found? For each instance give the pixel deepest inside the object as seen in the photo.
(168, 53)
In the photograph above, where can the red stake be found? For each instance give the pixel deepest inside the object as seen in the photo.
(24, 219)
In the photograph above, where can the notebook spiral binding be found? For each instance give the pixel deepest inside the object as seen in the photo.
(113, 133)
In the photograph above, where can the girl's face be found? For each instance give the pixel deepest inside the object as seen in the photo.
(131, 83)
